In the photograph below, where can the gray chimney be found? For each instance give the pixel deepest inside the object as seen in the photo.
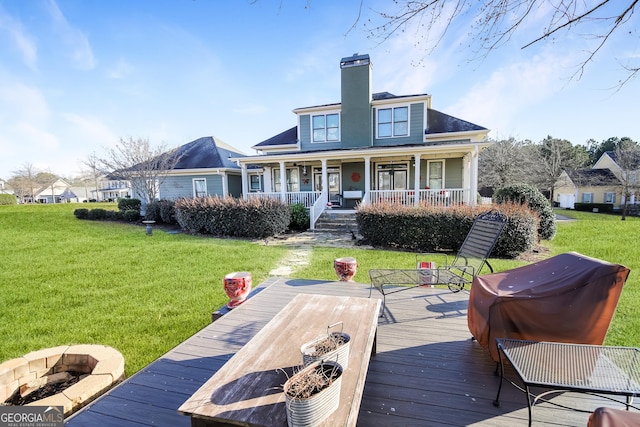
(356, 126)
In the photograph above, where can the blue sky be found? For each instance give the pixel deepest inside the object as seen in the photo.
(76, 75)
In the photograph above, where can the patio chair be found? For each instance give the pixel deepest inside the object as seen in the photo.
(468, 262)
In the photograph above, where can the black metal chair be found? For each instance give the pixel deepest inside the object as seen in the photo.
(468, 262)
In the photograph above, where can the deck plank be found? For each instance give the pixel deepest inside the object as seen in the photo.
(427, 370)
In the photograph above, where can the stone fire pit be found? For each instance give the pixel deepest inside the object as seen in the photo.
(103, 366)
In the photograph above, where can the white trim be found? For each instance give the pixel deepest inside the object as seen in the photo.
(392, 107)
(325, 114)
(193, 186)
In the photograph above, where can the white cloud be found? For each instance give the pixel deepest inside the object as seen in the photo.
(78, 43)
(89, 130)
(511, 90)
(21, 40)
(120, 70)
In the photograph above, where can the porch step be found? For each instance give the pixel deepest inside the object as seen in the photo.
(335, 220)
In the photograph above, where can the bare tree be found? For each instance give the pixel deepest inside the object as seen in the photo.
(505, 161)
(24, 182)
(144, 166)
(93, 172)
(493, 23)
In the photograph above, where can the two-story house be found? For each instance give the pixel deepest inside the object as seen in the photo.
(368, 148)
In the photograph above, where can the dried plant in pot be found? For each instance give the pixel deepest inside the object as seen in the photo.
(332, 346)
(313, 393)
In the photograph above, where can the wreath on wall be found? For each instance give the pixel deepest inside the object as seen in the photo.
(355, 177)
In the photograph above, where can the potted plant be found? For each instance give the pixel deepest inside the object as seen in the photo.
(313, 393)
(333, 346)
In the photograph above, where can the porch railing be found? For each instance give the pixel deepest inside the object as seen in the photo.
(446, 197)
(307, 198)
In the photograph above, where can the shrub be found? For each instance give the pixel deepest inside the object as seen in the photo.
(97, 214)
(131, 215)
(8, 199)
(129, 204)
(81, 213)
(299, 217)
(535, 200)
(589, 207)
(152, 211)
(431, 228)
(253, 218)
(167, 211)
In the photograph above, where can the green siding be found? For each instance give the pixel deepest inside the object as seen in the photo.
(453, 173)
(356, 106)
(416, 117)
(305, 137)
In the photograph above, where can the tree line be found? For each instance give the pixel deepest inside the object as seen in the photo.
(509, 161)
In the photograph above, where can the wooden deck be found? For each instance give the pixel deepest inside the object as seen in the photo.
(427, 371)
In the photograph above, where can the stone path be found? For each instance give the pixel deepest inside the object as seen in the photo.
(301, 246)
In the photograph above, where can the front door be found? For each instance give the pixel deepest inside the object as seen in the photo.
(333, 176)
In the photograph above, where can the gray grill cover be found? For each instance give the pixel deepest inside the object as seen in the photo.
(567, 298)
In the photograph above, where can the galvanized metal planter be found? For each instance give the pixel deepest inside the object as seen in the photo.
(313, 410)
(312, 351)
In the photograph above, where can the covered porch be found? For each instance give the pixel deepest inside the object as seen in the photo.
(347, 178)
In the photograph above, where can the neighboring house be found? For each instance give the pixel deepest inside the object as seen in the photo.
(603, 183)
(369, 148)
(111, 188)
(587, 186)
(4, 188)
(56, 192)
(204, 169)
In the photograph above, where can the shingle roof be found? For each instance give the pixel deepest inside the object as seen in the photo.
(206, 153)
(593, 177)
(439, 122)
(288, 137)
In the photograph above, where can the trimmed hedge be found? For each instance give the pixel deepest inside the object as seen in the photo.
(589, 207)
(161, 211)
(129, 205)
(8, 199)
(432, 229)
(229, 217)
(535, 200)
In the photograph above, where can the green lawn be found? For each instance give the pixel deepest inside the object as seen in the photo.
(66, 281)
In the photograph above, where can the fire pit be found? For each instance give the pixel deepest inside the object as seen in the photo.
(100, 367)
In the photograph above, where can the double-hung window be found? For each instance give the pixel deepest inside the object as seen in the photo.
(609, 197)
(393, 122)
(326, 127)
(587, 197)
(199, 187)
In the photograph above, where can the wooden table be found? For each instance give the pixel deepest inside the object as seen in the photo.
(247, 390)
(581, 368)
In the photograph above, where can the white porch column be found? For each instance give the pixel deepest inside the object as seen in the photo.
(225, 184)
(325, 179)
(367, 181)
(416, 180)
(245, 181)
(466, 174)
(266, 176)
(474, 177)
(283, 182)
